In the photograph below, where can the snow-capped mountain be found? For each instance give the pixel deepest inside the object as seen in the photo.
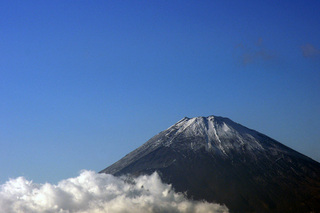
(218, 160)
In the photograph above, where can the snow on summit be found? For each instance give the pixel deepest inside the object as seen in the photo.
(213, 131)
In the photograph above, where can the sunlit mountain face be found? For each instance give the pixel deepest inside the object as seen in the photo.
(217, 160)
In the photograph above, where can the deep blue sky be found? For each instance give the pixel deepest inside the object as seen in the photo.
(82, 83)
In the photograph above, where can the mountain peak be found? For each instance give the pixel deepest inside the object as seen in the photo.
(212, 133)
(215, 159)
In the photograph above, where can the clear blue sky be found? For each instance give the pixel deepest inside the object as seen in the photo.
(82, 83)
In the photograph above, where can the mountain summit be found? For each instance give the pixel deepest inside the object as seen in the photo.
(217, 160)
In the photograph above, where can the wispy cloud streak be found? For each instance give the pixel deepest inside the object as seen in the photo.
(310, 51)
(254, 52)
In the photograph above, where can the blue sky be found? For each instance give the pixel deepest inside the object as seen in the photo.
(82, 83)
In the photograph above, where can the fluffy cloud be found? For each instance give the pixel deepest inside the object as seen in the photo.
(94, 193)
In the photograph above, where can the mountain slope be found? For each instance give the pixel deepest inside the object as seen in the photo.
(218, 160)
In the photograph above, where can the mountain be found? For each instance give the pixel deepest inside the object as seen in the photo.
(217, 160)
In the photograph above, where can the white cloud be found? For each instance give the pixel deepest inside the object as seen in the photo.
(96, 193)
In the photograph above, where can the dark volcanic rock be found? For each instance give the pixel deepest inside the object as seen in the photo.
(215, 159)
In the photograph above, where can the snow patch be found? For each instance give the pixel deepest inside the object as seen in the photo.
(225, 127)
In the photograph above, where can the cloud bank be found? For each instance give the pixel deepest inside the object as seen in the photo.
(96, 193)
